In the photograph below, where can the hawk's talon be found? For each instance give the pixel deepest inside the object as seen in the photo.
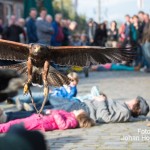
(26, 88)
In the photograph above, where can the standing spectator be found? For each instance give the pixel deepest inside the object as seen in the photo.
(121, 35)
(127, 29)
(146, 18)
(44, 29)
(76, 40)
(1, 28)
(31, 27)
(91, 29)
(72, 25)
(135, 40)
(83, 40)
(146, 43)
(141, 24)
(80, 40)
(135, 30)
(112, 35)
(49, 19)
(23, 36)
(12, 31)
(66, 32)
(58, 36)
(100, 35)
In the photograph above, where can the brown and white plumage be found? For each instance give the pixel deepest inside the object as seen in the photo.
(64, 55)
(38, 59)
(67, 55)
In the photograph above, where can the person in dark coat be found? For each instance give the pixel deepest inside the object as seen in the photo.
(31, 27)
(12, 31)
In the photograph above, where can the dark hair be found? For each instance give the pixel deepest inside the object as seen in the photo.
(115, 23)
(141, 12)
(33, 9)
(135, 16)
(84, 121)
(103, 95)
(43, 9)
(127, 15)
(135, 112)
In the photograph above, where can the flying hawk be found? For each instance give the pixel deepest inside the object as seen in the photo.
(35, 60)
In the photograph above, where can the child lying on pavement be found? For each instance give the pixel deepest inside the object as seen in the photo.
(55, 119)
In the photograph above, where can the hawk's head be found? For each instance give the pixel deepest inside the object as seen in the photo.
(38, 50)
(35, 49)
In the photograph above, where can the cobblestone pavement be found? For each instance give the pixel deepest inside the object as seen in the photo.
(133, 135)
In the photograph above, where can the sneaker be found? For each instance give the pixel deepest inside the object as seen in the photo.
(95, 91)
(19, 105)
(143, 69)
(3, 116)
(27, 107)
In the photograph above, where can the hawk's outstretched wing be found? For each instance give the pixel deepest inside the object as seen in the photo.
(54, 77)
(85, 55)
(13, 51)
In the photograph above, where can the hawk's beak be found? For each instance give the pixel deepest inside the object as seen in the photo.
(37, 49)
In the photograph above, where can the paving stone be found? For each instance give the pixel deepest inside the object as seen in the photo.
(119, 86)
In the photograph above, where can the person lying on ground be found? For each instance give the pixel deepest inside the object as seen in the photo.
(114, 67)
(66, 91)
(100, 108)
(55, 119)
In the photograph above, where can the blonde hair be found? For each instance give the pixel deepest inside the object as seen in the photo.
(74, 76)
(84, 121)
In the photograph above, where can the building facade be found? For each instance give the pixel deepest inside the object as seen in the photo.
(10, 7)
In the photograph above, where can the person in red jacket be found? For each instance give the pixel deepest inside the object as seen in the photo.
(54, 120)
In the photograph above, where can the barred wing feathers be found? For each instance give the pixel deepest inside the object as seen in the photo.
(54, 78)
(13, 51)
(85, 55)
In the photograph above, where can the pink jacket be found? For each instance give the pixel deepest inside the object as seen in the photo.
(58, 119)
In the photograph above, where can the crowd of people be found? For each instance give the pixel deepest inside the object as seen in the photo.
(57, 31)
(64, 109)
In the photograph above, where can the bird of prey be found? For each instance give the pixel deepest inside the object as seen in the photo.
(35, 60)
(10, 82)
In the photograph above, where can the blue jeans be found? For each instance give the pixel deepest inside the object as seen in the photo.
(146, 53)
(57, 104)
(139, 56)
(65, 104)
(18, 115)
(37, 96)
